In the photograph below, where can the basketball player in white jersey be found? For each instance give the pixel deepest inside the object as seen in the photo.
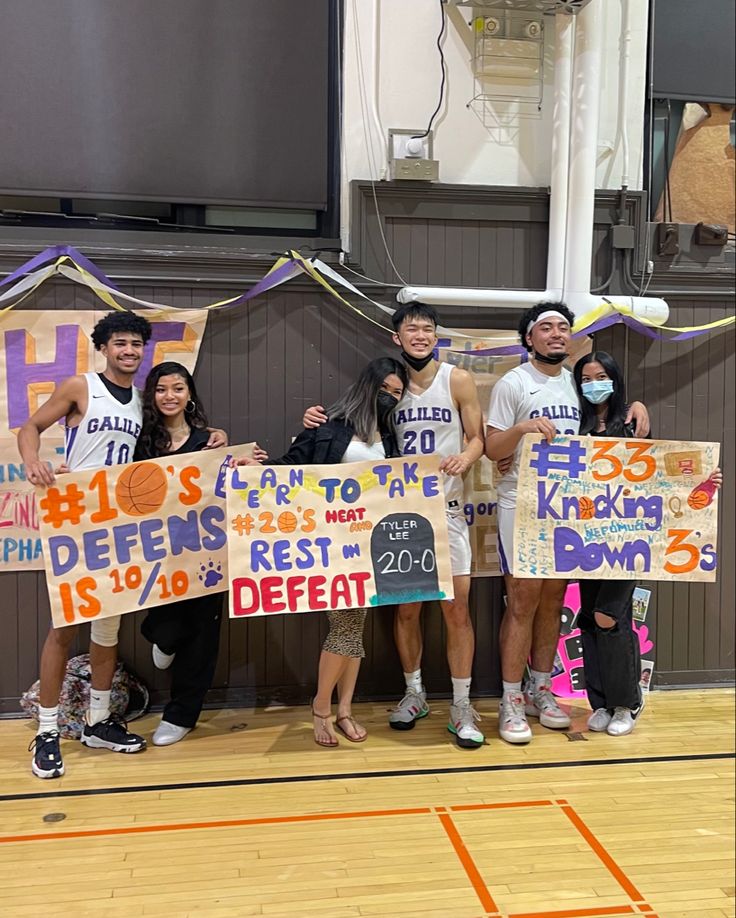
(103, 419)
(537, 397)
(439, 415)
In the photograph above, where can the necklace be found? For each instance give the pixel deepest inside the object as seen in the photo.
(177, 431)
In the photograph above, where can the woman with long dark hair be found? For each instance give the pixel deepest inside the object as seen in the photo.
(359, 428)
(611, 655)
(186, 634)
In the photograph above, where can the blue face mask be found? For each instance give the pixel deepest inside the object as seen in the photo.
(600, 390)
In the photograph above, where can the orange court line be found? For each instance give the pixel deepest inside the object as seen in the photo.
(217, 824)
(578, 913)
(476, 880)
(468, 863)
(631, 891)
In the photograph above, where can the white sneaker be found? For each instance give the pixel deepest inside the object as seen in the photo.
(410, 709)
(167, 734)
(541, 703)
(512, 723)
(622, 722)
(463, 718)
(161, 660)
(599, 720)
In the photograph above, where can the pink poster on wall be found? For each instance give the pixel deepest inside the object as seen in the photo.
(568, 678)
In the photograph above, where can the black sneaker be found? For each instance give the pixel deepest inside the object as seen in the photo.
(46, 761)
(112, 733)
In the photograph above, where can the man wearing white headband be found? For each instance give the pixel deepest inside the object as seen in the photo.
(536, 397)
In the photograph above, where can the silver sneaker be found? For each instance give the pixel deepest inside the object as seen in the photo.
(463, 718)
(167, 734)
(410, 709)
(512, 723)
(622, 722)
(599, 720)
(541, 703)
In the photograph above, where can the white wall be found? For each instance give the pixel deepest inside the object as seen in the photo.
(399, 86)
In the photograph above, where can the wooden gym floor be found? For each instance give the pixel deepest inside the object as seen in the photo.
(247, 816)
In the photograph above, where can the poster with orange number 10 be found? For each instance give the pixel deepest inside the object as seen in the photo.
(130, 537)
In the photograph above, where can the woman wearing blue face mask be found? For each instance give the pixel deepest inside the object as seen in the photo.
(611, 654)
(610, 645)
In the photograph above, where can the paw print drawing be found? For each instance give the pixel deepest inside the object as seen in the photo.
(210, 574)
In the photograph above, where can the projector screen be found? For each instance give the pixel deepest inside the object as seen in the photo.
(693, 46)
(196, 101)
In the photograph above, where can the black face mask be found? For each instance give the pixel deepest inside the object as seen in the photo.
(417, 363)
(552, 359)
(385, 404)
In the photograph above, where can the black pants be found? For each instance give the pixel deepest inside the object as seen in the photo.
(191, 630)
(611, 656)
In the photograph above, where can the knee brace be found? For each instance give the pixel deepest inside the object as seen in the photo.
(104, 631)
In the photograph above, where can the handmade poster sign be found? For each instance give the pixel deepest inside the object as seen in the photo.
(38, 350)
(128, 537)
(592, 507)
(363, 534)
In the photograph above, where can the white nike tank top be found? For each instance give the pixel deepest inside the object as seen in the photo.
(429, 424)
(107, 433)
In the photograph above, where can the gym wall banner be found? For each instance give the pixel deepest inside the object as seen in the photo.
(39, 350)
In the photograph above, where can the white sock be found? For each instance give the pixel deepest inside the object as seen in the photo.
(99, 706)
(460, 690)
(538, 680)
(512, 688)
(414, 682)
(48, 719)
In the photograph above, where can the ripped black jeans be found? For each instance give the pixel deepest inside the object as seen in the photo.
(611, 656)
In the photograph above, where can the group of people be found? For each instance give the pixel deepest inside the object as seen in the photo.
(415, 405)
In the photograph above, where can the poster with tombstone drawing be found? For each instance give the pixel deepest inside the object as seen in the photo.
(354, 535)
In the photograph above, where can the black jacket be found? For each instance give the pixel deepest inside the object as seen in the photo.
(326, 445)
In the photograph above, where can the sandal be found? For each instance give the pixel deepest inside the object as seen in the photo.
(325, 719)
(356, 727)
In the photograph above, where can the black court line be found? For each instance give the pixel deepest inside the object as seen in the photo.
(348, 775)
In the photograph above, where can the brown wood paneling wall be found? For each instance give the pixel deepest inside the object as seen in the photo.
(262, 364)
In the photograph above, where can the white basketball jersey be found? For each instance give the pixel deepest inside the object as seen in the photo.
(524, 393)
(107, 433)
(429, 424)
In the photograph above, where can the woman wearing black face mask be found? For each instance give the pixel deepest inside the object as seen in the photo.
(359, 428)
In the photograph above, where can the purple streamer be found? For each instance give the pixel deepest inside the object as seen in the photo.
(264, 284)
(639, 327)
(598, 326)
(56, 251)
(51, 254)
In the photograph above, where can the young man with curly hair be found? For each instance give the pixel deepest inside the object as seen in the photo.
(102, 414)
(540, 397)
